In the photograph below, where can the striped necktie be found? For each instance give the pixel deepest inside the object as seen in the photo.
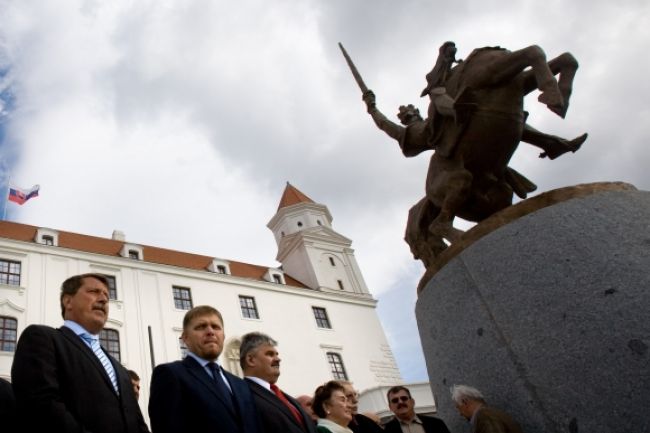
(103, 359)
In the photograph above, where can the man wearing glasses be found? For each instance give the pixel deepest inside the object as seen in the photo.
(360, 423)
(402, 405)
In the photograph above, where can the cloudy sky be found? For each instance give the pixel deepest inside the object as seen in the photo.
(179, 122)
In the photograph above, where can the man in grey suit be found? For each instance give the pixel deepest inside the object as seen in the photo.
(278, 412)
(63, 380)
(196, 394)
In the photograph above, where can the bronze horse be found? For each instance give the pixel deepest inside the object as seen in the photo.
(475, 123)
(468, 175)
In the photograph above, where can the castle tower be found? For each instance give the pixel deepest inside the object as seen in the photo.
(309, 248)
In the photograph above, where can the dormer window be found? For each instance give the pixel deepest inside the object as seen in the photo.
(132, 251)
(274, 275)
(47, 237)
(219, 266)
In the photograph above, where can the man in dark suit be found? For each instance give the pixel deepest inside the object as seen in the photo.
(63, 380)
(196, 394)
(278, 412)
(484, 419)
(360, 423)
(7, 408)
(402, 405)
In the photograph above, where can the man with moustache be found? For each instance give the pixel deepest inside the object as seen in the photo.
(278, 412)
(402, 405)
(196, 394)
(63, 380)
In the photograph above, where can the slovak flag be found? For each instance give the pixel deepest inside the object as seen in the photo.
(20, 196)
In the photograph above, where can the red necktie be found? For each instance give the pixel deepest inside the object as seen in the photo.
(288, 404)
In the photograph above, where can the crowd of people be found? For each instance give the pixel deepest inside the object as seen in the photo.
(63, 381)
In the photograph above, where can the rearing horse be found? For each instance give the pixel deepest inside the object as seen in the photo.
(468, 175)
(475, 123)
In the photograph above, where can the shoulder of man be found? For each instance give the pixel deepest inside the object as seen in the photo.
(234, 379)
(434, 422)
(365, 424)
(33, 333)
(174, 366)
(393, 425)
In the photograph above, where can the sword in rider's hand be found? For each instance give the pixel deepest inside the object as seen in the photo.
(353, 69)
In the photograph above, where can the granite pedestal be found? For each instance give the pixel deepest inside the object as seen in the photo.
(545, 308)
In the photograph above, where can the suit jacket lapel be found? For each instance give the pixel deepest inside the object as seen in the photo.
(273, 399)
(90, 355)
(195, 369)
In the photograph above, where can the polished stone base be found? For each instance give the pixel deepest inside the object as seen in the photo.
(548, 313)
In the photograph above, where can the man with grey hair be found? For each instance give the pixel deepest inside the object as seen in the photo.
(484, 419)
(260, 362)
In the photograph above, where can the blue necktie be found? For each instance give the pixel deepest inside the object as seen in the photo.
(103, 359)
(221, 386)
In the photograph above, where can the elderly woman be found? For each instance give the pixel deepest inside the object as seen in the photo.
(332, 407)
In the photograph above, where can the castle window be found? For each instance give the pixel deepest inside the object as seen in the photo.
(110, 341)
(322, 321)
(336, 366)
(248, 307)
(277, 279)
(10, 272)
(221, 269)
(8, 334)
(112, 287)
(182, 298)
(133, 254)
(332, 261)
(340, 284)
(182, 347)
(48, 240)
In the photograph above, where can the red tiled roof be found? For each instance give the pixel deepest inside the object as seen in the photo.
(110, 247)
(292, 196)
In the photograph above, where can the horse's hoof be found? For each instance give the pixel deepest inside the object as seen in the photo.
(445, 231)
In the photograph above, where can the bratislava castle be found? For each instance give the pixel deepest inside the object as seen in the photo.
(316, 305)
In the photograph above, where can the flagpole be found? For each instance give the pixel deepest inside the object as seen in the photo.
(4, 212)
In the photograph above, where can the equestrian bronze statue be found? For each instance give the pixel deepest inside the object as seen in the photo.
(475, 121)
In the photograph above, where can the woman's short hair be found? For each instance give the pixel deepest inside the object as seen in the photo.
(324, 393)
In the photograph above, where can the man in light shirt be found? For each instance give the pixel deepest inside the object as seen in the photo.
(402, 405)
(196, 394)
(63, 379)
